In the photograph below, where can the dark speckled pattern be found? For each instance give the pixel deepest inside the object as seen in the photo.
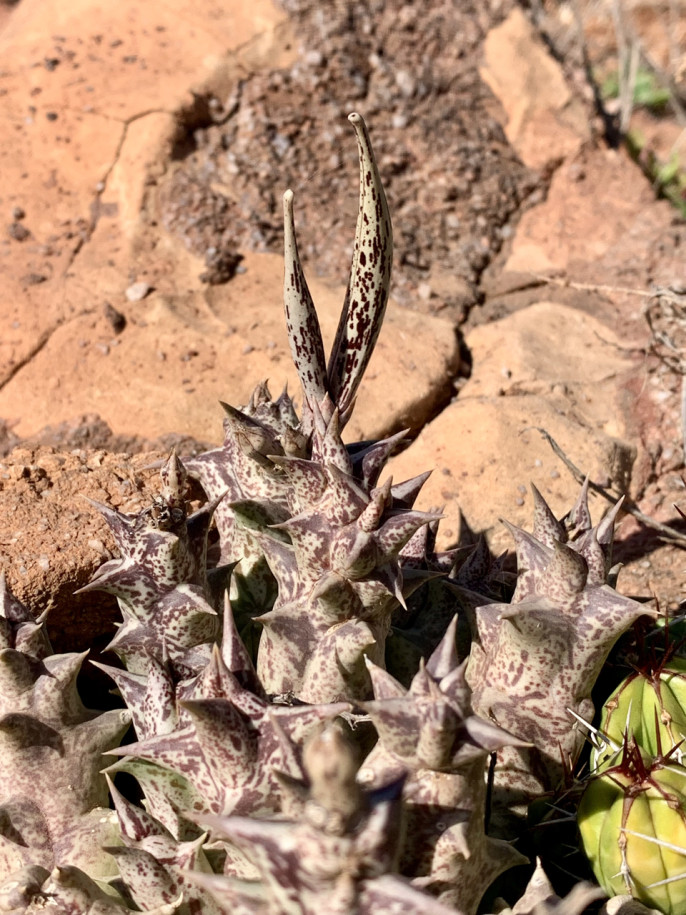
(539, 656)
(430, 731)
(52, 797)
(334, 857)
(370, 277)
(339, 581)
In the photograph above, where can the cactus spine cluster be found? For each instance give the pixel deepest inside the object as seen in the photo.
(314, 715)
(632, 817)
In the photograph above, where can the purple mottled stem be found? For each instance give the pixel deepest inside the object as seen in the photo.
(304, 334)
(370, 278)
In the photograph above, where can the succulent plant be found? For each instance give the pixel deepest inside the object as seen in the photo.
(648, 706)
(315, 715)
(429, 734)
(65, 889)
(161, 580)
(338, 856)
(632, 820)
(534, 661)
(539, 898)
(299, 498)
(53, 800)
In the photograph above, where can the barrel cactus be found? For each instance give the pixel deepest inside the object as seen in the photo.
(648, 706)
(632, 820)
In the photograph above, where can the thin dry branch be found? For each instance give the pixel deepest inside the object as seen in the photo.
(669, 533)
(667, 292)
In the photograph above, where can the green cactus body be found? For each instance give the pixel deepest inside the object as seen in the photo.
(632, 820)
(649, 707)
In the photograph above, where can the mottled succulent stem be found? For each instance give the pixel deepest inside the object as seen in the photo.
(302, 323)
(370, 278)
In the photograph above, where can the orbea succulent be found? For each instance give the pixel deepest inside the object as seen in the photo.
(430, 734)
(53, 802)
(313, 717)
(534, 661)
(338, 856)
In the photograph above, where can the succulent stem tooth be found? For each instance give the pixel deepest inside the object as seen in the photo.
(370, 278)
(302, 323)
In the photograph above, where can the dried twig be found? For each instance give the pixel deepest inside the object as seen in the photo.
(657, 291)
(627, 67)
(598, 101)
(669, 533)
(671, 300)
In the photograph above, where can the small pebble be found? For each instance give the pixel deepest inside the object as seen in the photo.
(33, 279)
(406, 83)
(314, 58)
(44, 562)
(18, 213)
(138, 291)
(17, 231)
(554, 475)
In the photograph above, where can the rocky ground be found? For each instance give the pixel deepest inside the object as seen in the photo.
(141, 171)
